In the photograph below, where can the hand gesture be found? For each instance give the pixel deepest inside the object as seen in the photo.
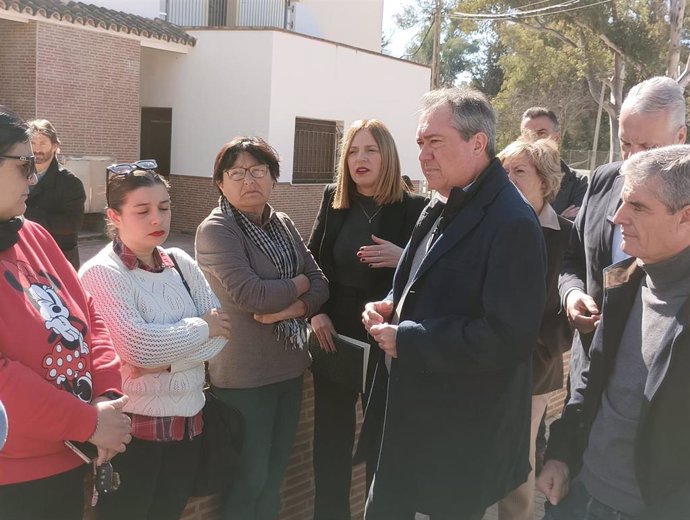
(381, 254)
(385, 335)
(322, 326)
(377, 313)
(582, 311)
(570, 212)
(218, 323)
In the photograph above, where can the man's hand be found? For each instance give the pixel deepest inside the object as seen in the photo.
(570, 212)
(385, 336)
(322, 326)
(554, 481)
(582, 311)
(113, 429)
(377, 313)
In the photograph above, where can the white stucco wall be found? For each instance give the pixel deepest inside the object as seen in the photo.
(258, 82)
(354, 22)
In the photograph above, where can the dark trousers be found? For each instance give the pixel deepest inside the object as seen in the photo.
(396, 507)
(334, 437)
(60, 497)
(156, 480)
(580, 505)
(271, 416)
(335, 417)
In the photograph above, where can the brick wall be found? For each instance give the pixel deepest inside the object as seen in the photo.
(18, 67)
(193, 199)
(87, 85)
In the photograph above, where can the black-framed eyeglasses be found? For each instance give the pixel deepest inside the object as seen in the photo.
(129, 168)
(238, 173)
(29, 167)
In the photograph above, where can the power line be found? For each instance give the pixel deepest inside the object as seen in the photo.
(546, 11)
(423, 40)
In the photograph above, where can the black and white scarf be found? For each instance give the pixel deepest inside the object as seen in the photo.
(276, 242)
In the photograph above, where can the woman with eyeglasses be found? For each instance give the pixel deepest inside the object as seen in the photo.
(268, 282)
(365, 220)
(165, 322)
(59, 374)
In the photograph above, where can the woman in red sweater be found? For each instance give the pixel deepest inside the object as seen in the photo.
(59, 374)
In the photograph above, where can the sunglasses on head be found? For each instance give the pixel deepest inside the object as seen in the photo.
(29, 166)
(129, 168)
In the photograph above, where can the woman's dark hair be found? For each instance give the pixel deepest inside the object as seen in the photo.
(119, 186)
(12, 130)
(263, 152)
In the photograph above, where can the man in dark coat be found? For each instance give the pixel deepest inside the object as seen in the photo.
(623, 436)
(542, 123)
(652, 115)
(459, 327)
(57, 201)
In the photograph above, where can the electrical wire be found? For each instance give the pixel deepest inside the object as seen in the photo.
(527, 14)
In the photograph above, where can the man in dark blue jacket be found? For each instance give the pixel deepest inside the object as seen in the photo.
(459, 327)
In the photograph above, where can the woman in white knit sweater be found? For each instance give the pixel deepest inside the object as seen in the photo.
(165, 322)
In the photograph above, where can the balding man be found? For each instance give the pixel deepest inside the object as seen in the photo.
(623, 436)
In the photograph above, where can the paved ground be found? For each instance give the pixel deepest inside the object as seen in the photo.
(88, 247)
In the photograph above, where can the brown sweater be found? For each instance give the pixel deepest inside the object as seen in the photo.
(246, 282)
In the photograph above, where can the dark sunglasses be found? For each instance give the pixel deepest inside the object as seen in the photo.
(29, 167)
(129, 168)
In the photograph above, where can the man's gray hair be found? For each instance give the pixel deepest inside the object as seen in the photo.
(472, 112)
(657, 94)
(670, 165)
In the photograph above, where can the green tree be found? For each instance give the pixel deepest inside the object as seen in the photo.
(455, 47)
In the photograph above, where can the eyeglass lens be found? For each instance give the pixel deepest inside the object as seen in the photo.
(239, 173)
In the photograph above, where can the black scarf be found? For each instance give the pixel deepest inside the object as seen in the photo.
(277, 243)
(9, 232)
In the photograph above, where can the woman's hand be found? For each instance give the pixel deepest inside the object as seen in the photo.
(381, 254)
(294, 310)
(322, 326)
(113, 428)
(302, 284)
(218, 323)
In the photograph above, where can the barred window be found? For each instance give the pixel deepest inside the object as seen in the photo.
(315, 158)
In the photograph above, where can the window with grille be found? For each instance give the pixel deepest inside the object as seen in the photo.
(316, 150)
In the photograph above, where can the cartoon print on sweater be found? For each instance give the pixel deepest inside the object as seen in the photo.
(66, 363)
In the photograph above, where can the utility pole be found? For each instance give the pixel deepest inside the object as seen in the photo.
(436, 49)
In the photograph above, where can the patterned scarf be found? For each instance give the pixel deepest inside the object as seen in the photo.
(277, 243)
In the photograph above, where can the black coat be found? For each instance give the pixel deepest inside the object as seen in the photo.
(555, 334)
(395, 225)
(572, 191)
(457, 422)
(662, 449)
(589, 251)
(57, 204)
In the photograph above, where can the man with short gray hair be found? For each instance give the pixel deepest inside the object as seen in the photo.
(653, 115)
(623, 436)
(458, 328)
(57, 201)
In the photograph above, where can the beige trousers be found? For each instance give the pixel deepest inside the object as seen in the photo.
(519, 504)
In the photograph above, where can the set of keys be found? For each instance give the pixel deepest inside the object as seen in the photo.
(105, 479)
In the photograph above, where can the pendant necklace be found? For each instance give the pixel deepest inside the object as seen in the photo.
(370, 217)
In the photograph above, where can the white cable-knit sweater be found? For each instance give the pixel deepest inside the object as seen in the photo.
(154, 323)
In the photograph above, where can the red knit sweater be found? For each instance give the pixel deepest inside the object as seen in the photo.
(55, 357)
